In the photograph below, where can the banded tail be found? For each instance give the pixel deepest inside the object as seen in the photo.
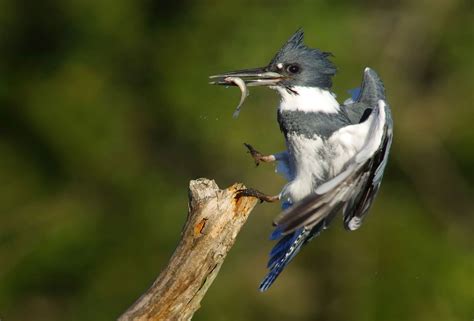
(282, 254)
(286, 249)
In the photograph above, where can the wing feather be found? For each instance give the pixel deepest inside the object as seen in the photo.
(371, 91)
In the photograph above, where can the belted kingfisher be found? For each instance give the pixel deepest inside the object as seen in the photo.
(336, 154)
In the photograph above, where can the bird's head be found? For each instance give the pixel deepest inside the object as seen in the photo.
(293, 65)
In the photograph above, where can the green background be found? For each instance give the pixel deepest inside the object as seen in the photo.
(106, 114)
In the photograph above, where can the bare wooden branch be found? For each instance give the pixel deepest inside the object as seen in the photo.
(214, 220)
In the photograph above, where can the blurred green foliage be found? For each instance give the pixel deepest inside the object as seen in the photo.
(105, 115)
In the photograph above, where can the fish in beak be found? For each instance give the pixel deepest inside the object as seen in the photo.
(246, 78)
(251, 77)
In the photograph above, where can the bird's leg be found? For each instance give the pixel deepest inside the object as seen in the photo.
(258, 157)
(257, 194)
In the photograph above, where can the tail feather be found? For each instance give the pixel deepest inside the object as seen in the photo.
(280, 249)
(289, 245)
(286, 249)
(283, 259)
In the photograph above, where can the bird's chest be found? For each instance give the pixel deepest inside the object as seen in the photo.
(313, 154)
(308, 156)
(309, 165)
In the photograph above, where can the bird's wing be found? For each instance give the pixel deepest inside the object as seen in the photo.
(372, 92)
(355, 187)
(364, 98)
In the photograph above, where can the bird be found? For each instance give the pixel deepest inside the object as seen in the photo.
(335, 153)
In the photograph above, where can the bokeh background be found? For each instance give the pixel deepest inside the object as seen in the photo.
(106, 114)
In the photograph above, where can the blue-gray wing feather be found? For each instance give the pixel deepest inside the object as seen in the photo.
(363, 100)
(371, 92)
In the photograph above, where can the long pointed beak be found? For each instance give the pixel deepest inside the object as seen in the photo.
(251, 77)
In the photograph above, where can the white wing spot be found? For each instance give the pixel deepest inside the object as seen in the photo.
(354, 223)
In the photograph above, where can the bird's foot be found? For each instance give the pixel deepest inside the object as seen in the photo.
(250, 192)
(257, 156)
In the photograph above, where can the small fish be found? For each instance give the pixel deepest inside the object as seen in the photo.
(243, 88)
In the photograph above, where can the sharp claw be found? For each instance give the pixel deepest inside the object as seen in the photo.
(254, 153)
(240, 193)
(250, 192)
(250, 148)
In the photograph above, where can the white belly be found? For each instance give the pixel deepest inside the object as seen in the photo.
(309, 162)
(314, 160)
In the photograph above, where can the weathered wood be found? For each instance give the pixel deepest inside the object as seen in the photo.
(214, 220)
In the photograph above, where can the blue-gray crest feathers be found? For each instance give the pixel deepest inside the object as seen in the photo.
(316, 68)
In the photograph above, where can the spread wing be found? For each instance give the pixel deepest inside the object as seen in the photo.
(362, 101)
(355, 188)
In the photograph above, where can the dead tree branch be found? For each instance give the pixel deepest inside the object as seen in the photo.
(214, 220)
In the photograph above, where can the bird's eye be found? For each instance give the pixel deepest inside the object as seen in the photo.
(293, 69)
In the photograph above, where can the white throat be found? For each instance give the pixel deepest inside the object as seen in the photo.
(308, 99)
